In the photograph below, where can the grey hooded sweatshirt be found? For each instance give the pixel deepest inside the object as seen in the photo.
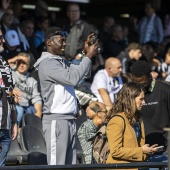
(29, 88)
(57, 80)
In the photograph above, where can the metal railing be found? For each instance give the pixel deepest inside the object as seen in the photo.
(137, 165)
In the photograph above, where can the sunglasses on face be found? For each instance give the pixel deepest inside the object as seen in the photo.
(61, 33)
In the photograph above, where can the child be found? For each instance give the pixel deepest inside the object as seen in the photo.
(96, 113)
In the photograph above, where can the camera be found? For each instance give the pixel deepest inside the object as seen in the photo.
(93, 40)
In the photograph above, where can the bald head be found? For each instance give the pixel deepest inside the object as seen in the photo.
(93, 108)
(111, 61)
(97, 106)
(113, 67)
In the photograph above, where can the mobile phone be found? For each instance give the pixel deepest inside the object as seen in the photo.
(158, 148)
(93, 40)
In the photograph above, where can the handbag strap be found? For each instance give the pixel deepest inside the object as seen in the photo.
(123, 120)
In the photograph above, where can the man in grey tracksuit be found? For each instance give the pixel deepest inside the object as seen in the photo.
(57, 81)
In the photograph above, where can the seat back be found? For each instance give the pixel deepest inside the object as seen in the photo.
(37, 158)
(30, 119)
(15, 154)
(32, 140)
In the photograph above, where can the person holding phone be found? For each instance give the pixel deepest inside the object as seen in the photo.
(125, 129)
(58, 77)
(156, 111)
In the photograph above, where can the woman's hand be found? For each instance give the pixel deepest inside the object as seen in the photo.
(149, 149)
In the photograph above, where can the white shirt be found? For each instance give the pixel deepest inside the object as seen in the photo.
(102, 80)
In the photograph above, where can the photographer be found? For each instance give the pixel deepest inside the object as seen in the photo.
(26, 93)
(58, 78)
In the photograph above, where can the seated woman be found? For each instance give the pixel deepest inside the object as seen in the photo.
(125, 129)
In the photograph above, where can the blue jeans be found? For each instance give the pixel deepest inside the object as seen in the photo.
(21, 110)
(5, 141)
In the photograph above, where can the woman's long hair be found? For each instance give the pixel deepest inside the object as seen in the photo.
(125, 102)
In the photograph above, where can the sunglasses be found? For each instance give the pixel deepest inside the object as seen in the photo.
(61, 33)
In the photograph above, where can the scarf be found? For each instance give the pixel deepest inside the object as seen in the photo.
(6, 90)
(6, 76)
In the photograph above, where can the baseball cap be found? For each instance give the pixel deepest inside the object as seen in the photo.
(12, 38)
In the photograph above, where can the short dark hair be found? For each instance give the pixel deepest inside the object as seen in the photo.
(50, 31)
(72, 3)
(155, 4)
(140, 68)
(133, 46)
(24, 22)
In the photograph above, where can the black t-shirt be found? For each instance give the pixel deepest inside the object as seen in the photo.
(156, 114)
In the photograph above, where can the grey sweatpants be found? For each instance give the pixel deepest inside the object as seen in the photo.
(60, 141)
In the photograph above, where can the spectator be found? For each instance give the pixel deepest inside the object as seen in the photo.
(25, 32)
(129, 56)
(150, 27)
(27, 97)
(8, 121)
(41, 10)
(7, 21)
(158, 49)
(12, 45)
(17, 8)
(39, 33)
(107, 82)
(125, 130)
(89, 128)
(155, 112)
(115, 43)
(165, 66)
(4, 4)
(103, 36)
(148, 55)
(57, 80)
(78, 31)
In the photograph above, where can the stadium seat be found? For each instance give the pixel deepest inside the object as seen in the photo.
(32, 141)
(16, 155)
(30, 119)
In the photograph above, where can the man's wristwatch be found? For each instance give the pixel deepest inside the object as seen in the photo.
(80, 55)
